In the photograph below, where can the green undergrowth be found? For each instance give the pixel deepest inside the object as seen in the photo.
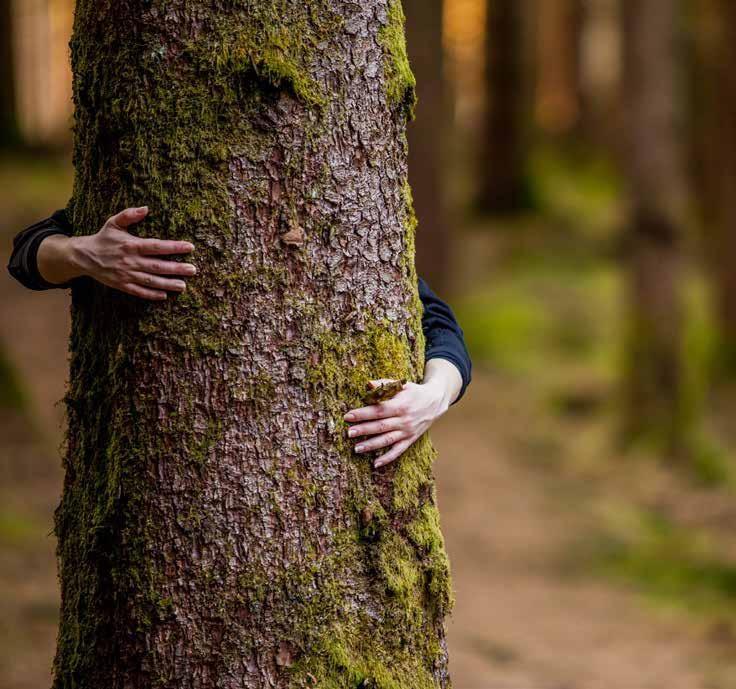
(12, 395)
(578, 189)
(31, 184)
(15, 529)
(674, 565)
(535, 315)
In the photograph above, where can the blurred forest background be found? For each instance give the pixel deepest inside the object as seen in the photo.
(574, 172)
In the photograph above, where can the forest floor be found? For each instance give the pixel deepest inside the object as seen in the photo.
(575, 566)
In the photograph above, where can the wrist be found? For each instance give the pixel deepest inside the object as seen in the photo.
(78, 256)
(440, 394)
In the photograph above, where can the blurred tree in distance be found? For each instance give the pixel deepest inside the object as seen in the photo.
(503, 151)
(427, 136)
(653, 166)
(8, 118)
(714, 134)
(559, 95)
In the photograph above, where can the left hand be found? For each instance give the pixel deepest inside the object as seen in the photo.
(397, 423)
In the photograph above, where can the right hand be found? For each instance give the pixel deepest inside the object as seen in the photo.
(118, 259)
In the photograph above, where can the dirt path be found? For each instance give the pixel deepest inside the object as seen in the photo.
(519, 622)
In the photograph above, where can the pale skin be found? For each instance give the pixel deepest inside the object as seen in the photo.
(134, 265)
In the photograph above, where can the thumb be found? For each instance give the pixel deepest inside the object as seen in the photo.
(128, 217)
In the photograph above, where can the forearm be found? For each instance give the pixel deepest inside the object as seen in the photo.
(444, 376)
(58, 259)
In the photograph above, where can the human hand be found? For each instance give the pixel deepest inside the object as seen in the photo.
(397, 423)
(118, 259)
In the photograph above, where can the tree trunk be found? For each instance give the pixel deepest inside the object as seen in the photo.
(427, 135)
(216, 529)
(715, 128)
(559, 85)
(653, 167)
(503, 155)
(8, 121)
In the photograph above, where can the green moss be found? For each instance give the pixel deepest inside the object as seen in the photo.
(273, 47)
(426, 534)
(11, 390)
(400, 80)
(342, 662)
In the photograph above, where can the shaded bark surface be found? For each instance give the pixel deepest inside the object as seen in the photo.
(427, 135)
(653, 166)
(503, 150)
(216, 529)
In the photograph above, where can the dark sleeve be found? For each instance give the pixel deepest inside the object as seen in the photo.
(23, 264)
(445, 339)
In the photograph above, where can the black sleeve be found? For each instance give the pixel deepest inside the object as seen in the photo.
(442, 332)
(23, 265)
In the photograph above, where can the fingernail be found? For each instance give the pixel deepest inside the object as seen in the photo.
(378, 465)
(192, 270)
(359, 448)
(349, 417)
(352, 433)
(142, 209)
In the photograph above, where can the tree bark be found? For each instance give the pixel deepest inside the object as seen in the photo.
(503, 155)
(653, 166)
(427, 135)
(216, 529)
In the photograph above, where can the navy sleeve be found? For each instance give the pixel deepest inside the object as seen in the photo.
(23, 264)
(442, 332)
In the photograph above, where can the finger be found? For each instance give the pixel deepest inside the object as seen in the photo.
(128, 217)
(382, 410)
(393, 454)
(161, 267)
(379, 441)
(151, 247)
(156, 282)
(142, 292)
(375, 427)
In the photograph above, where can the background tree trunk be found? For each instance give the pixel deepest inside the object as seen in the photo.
(654, 170)
(559, 92)
(8, 121)
(503, 155)
(427, 135)
(216, 529)
(715, 138)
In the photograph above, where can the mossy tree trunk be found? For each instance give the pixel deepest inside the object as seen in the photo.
(502, 174)
(654, 382)
(216, 529)
(427, 136)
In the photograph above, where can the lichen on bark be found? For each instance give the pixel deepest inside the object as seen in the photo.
(216, 528)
